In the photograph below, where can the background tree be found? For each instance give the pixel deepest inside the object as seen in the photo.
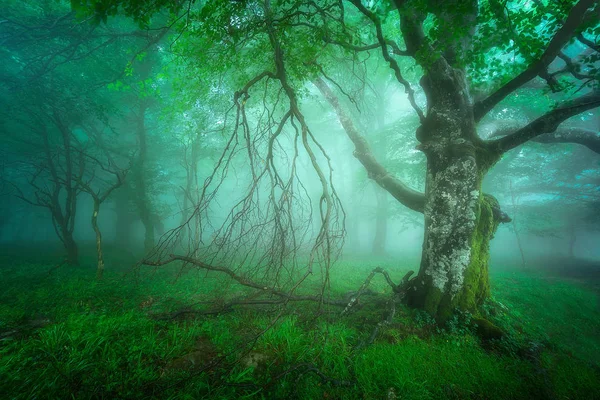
(54, 72)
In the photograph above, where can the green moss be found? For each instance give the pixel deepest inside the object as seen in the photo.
(476, 278)
(432, 301)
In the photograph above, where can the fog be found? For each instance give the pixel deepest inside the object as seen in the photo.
(549, 190)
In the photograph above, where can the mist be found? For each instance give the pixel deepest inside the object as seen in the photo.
(299, 199)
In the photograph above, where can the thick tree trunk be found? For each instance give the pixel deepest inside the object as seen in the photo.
(456, 274)
(459, 221)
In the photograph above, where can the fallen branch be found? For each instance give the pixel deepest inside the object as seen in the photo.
(396, 289)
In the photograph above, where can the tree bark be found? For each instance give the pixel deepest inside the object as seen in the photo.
(100, 265)
(459, 220)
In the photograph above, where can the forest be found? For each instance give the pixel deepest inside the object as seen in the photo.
(300, 199)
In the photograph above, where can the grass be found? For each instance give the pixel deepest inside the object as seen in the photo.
(64, 335)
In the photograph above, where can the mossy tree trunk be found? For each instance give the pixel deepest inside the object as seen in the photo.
(460, 221)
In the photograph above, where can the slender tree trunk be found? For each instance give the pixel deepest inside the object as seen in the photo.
(100, 265)
(141, 196)
(515, 206)
(191, 191)
(572, 240)
(381, 217)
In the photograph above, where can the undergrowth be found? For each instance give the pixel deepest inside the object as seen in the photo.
(64, 335)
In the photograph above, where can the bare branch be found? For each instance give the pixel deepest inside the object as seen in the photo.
(244, 281)
(386, 55)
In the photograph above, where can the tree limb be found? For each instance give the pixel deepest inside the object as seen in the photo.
(560, 39)
(585, 137)
(547, 123)
(405, 195)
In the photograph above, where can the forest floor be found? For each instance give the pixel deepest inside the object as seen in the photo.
(156, 333)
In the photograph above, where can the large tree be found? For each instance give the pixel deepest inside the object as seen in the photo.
(471, 56)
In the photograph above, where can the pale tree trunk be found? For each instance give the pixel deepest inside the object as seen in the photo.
(515, 207)
(139, 174)
(459, 220)
(100, 265)
(458, 224)
(381, 219)
(191, 192)
(382, 210)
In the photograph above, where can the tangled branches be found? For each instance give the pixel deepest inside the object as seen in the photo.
(277, 230)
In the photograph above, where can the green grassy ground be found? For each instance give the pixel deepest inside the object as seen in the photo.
(64, 335)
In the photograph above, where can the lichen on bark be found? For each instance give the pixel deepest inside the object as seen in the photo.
(469, 286)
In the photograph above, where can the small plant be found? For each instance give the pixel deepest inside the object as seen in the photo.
(423, 320)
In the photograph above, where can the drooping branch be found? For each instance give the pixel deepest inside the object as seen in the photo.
(405, 195)
(560, 39)
(386, 55)
(547, 123)
(270, 220)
